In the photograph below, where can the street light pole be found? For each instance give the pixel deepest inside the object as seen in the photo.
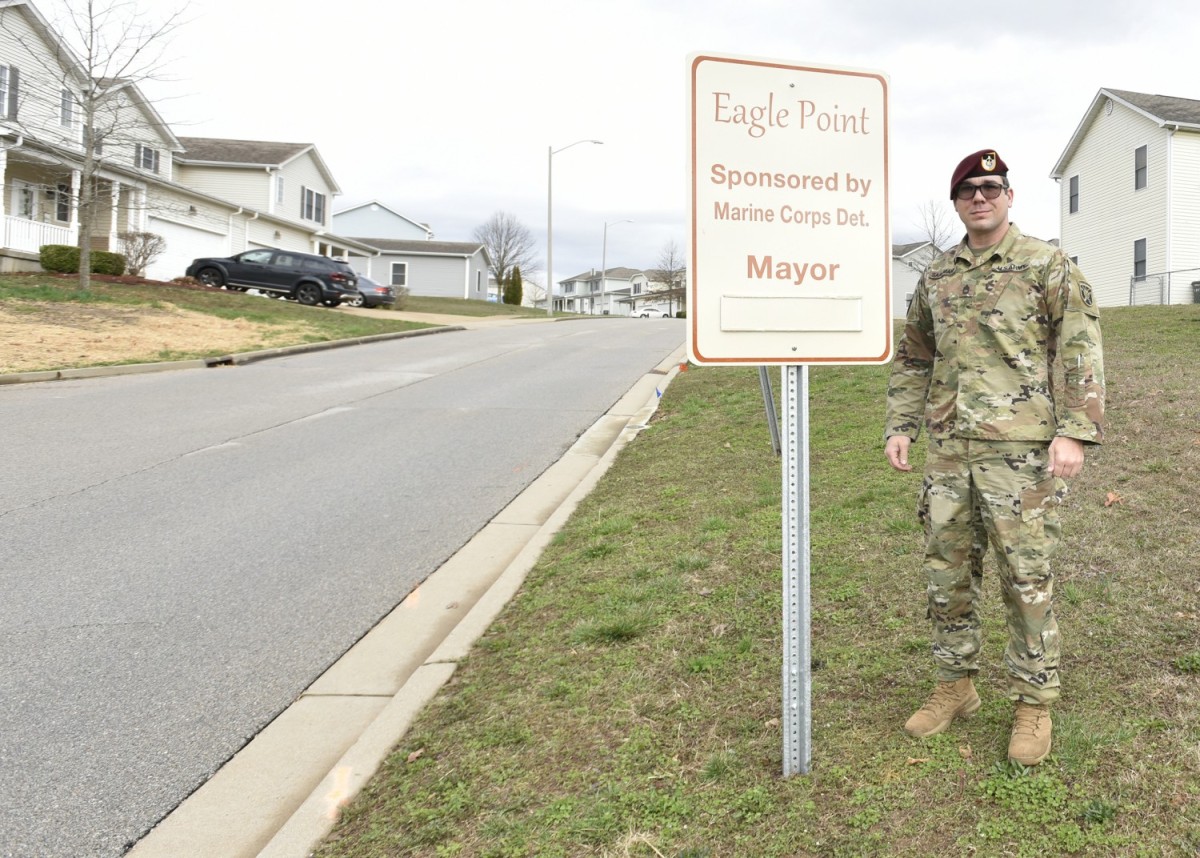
(551, 152)
(604, 259)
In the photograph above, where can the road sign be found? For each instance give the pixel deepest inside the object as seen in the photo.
(790, 240)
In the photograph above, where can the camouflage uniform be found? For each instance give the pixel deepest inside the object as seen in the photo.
(974, 364)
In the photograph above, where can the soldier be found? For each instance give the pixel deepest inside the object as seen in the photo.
(989, 320)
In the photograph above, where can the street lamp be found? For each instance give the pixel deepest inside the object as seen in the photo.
(604, 258)
(550, 220)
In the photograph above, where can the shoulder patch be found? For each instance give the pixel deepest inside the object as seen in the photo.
(1085, 293)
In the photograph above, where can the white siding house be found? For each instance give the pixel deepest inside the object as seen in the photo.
(613, 292)
(908, 263)
(1129, 191)
(378, 221)
(436, 269)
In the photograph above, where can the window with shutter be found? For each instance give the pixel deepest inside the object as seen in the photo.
(312, 205)
(146, 158)
(66, 110)
(10, 79)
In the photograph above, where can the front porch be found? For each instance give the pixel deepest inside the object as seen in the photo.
(39, 205)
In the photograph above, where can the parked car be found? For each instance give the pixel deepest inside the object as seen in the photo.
(653, 313)
(372, 293)
(305, 277)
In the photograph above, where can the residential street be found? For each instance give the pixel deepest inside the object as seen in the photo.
(183, 553)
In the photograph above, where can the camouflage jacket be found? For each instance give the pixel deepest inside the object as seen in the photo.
(977, 354)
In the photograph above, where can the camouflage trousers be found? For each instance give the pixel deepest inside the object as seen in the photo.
(980, 492)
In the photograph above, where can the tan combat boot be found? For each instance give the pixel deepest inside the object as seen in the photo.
(1030, 741)
(949, 700)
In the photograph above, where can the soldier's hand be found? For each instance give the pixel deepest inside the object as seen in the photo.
(1066, 457)
(896, 449)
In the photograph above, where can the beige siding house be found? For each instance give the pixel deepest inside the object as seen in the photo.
(284, 192)
(1129, 191)
(45, 93)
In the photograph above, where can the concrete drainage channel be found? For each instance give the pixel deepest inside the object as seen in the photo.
(281, 794)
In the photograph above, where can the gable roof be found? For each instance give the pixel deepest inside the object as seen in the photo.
(65, 53)
(421, 247)
(249, 154)
(901, 250)
(113, 85)
(240, 153)
(389, 210)
(1163, 110)
(611, 273)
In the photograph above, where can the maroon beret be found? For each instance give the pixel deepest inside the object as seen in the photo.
(985, 162)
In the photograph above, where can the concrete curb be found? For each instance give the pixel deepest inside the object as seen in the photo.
(223, 360)
(264, 802)
(316, 817)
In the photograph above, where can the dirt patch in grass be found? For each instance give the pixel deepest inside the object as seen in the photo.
(38, 336)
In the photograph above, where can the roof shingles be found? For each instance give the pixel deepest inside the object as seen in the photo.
(220, 151)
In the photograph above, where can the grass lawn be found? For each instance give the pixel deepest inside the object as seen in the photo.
(627, 702)
(47, 322)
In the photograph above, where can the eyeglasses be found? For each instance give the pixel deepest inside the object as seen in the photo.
(990, 190)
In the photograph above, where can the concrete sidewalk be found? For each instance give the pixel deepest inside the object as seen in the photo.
(281, 794)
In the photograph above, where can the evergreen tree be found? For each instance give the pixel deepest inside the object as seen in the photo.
(514, 292)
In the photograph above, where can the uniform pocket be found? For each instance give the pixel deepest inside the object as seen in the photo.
(1013, 310)
(1040, 530)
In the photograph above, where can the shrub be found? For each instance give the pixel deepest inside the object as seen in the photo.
(64, 259)
(141, 249)
(106, 262)
(401, 297)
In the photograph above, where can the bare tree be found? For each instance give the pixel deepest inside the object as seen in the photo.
(112, 47)
(509, 244)
(140, 249)
(671, 275)
(935, 225)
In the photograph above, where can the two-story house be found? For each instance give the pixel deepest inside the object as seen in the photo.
(284, 193)
(613, 292)
(68, 144)
(77, 150)
(1129, 195)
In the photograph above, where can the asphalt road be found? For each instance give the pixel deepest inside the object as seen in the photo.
(182, 553)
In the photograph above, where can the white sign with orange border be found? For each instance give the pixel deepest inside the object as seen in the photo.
(789, 246)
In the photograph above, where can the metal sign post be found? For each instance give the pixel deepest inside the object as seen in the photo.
(797, 617)
(789, 263)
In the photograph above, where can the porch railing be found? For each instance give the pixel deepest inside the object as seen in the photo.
(29, 235)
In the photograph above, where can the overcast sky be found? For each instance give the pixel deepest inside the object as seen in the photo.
(444, 110)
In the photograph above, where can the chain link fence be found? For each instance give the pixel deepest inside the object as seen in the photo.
(1168, 287)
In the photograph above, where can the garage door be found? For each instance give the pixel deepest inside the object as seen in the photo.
(184, 244)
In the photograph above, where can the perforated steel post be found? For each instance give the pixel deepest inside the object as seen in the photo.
(797, 660)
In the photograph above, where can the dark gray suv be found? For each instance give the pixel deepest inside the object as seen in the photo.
(306, 277)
